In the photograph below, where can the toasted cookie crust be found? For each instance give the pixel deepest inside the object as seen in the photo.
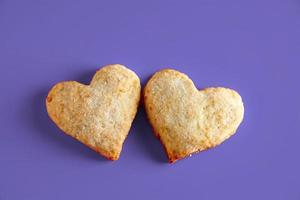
(100, 114)
(187, 120)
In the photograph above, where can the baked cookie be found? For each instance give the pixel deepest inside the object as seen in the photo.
(187, 120)
(100, 114)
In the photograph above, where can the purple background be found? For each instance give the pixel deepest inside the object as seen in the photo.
(251, 46)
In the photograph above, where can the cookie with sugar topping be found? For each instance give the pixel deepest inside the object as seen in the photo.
(188, 120)
(100, 114)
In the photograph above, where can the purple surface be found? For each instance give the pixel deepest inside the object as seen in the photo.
(251, 46)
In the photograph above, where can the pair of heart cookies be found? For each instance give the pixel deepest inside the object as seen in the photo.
(184, 119)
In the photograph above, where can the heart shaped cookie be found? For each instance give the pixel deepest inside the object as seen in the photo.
(100, 114)
(187, 120)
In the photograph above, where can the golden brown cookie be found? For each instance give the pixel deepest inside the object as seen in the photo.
(100, 114)
(187, 120)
